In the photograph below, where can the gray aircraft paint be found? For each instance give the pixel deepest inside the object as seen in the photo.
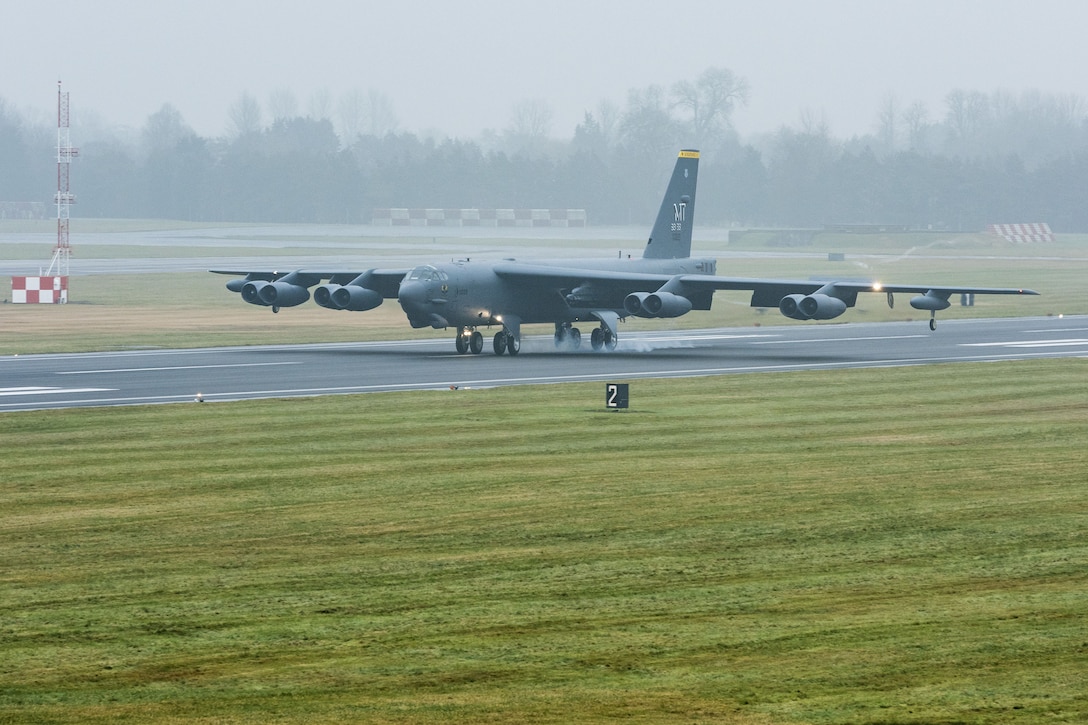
(503, 295)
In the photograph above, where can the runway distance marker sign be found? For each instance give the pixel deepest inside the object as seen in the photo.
(616, 395)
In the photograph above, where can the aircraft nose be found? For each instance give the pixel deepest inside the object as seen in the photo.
(415, 300)
(412, 297)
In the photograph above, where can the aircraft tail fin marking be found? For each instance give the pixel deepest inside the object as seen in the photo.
(671, 235)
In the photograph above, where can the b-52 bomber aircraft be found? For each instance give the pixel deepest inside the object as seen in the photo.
(666, 282)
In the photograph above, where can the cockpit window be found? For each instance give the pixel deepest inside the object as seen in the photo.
(424, 273)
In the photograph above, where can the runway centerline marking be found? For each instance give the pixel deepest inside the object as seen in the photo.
(1029, 343)
(658, 337)
(836, 339)
(176, 367)
(8, 392)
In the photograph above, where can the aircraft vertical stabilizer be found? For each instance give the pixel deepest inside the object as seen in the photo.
(671, 235)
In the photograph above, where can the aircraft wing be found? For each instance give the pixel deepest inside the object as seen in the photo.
(799, 299)
(388, 279)
(770, 290)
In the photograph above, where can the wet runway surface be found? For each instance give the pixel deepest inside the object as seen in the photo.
(138, 377)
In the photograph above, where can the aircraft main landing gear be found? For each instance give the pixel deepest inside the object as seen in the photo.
(567, 337)
(469, 340)
(602, 337)
(570, 338)
(507, 342)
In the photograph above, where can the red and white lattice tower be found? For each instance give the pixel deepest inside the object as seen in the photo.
(65, 153)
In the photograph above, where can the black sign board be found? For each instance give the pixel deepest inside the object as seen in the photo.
(615, 395)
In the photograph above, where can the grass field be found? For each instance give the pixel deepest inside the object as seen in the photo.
(871, 546)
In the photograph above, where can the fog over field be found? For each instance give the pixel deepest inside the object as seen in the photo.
(462, 68)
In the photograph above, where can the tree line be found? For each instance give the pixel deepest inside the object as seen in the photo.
(987, 158)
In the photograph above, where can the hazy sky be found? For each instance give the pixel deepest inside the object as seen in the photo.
(460, 66)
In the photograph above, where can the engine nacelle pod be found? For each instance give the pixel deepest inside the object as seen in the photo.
(656, 304)
(251, 292)
(635, 304)
(282, 294)
(821, 307)
(790, 307)
(323, 296)
(666, 304)
(355, 298)
(930, 302)
(811, 307)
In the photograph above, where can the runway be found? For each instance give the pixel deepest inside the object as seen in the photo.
(143, 377)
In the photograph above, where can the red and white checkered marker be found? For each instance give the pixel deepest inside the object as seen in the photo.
(39, 290)
(1035, 232)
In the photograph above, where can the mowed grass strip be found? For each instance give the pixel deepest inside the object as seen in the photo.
(899, 545)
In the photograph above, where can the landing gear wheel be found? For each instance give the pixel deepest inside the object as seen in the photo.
(513, 344)
(567, 337)
(462, 342)
(275, 309)
(476, 342)
(561, 335)
(932, 324)
(500, 342)
(609, 340)
(596, 338)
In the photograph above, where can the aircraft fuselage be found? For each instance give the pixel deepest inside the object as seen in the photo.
(471, 294)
